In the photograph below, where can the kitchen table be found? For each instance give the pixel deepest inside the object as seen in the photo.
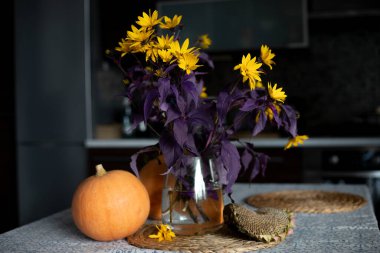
(355, 231)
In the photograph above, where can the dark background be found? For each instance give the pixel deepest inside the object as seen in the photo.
(333, 82)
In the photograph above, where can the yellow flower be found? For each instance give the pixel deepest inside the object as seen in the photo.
(299, 139)
(163, 42)
(171, 23)
(165, 55)
(203, 93)
(148, 21)
(188, 62)
(267, 56)
(259, 84)
(178, 50)
(269, 112)
(151, 52)
(138, 37)
(249, 69)
(164, 233)
(125, 47)
(276, 94)
(204, 41)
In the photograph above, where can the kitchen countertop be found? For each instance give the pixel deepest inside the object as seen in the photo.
(355, 231)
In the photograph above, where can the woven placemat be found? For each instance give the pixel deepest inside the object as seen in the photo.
(223, 240)
(308, 201)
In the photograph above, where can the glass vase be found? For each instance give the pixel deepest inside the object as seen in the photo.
(192, 198)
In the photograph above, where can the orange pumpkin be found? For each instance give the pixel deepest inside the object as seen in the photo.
(153, 180)
(110, 205)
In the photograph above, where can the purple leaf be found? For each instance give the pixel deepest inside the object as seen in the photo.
(136, 119)
(164, 91)
(148, 104)
(254, 162)
(170, 149)
(246, 159)
(171, 115)
(134, 157)
(190, 145)
(289, 119)
(181, 103)
(199, 85)
(191, 90)
(206, 58)
(239, 119)
(223, 105)
(263, 161)
(180, 130)
(222, 171)
(249, 105)
(231, 160)
(201, 116)
(260, 124)
(170, 68)
(275, 115)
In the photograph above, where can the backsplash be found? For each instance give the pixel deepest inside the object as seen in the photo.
(334, 82)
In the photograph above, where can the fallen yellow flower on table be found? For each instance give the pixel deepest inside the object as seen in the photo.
(164, 233)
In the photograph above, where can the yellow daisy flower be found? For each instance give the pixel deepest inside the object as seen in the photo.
(163, 42)
(276, 94)
(151, 52)
(249, 69)
(138, 37)
(188, 62)
(165, 55)
(267, 56)
(293, 142)
(177, 50)
(148, 20)
(164, 233)
(204, 41)
(171, 23)
(124, 47)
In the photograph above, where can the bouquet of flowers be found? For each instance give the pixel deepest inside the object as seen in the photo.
(163, 77)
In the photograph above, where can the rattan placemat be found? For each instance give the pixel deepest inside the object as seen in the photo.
(308, 201)
(221, 241)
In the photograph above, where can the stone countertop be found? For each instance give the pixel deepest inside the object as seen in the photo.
(355, 231)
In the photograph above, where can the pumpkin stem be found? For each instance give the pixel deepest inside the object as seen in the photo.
(100, 171)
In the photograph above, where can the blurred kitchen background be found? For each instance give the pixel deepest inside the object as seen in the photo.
(62, 111)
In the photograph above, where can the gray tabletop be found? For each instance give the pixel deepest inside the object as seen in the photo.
(342, 232)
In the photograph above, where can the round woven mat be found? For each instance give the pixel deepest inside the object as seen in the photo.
(308, 201)
(221, 241)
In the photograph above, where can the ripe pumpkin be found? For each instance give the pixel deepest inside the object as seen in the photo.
(153, 180)
(110, 205)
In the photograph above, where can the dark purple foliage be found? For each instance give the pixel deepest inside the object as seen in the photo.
(148, 104)
(231, 161)
(260, 123)
(253, 161)
(203, 127)
(289, 119)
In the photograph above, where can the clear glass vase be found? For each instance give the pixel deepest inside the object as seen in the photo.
(192, 198)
